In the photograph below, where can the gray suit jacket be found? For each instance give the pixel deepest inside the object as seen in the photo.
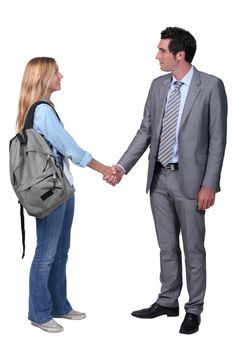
(202, 134)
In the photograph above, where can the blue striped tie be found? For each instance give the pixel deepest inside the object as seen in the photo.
(168, 135)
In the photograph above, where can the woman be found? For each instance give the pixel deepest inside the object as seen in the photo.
(47, 287)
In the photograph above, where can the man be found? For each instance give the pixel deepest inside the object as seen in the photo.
(184, 124)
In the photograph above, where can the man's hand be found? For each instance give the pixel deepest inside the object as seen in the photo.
(118, 173)
(206, 198)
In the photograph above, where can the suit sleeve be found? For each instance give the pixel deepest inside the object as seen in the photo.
(141, 141)
(217, 135)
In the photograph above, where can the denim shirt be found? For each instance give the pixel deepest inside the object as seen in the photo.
(47, 124)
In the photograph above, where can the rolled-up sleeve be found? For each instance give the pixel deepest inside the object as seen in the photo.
(47, 124)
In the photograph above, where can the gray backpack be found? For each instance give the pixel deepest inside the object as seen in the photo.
(37, 178)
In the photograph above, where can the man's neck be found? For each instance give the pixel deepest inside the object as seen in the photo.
(182, 70)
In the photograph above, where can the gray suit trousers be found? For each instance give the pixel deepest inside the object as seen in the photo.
(174, 213)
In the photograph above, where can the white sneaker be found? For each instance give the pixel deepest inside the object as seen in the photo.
(73, 315)
(51, 326)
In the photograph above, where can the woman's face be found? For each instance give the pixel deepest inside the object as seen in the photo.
(55, 83)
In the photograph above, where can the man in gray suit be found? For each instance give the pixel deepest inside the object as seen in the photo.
(184, 124)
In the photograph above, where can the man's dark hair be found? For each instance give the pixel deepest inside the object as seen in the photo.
(181, 40)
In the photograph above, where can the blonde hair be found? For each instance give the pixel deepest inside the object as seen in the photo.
(35, 83)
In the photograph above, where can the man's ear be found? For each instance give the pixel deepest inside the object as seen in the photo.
(180, 56)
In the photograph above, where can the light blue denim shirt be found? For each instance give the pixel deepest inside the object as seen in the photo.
(47, 124)
(183, 94)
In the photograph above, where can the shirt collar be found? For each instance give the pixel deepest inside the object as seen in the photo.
(186, 79)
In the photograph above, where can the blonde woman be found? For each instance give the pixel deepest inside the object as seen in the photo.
(47, 285)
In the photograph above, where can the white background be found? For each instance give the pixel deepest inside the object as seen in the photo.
(106, 51)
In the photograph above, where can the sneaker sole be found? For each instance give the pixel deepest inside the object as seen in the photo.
(81, 317)
(47, 329)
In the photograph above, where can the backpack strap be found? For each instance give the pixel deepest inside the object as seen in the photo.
(30, 115)
(22, 228)
(23, 140)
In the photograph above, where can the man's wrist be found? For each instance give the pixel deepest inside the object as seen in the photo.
(121, 167)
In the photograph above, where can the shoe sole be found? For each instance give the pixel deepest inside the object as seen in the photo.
(143, 317)
(173, 314)
(46, 329)
(71, 317)
(168, 315)
(190, 332)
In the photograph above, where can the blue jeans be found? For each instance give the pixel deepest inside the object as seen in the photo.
(47, 282)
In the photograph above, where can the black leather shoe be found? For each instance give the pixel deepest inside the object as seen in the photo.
(156, 310)
(190, 324)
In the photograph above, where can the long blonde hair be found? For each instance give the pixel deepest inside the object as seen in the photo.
(36, 79)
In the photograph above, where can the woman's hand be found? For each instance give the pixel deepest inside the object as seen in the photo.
(116, 177)
(109, 172)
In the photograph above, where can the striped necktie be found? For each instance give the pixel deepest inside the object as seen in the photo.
(168, 135)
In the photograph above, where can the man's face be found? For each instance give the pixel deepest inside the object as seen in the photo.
(167, 61)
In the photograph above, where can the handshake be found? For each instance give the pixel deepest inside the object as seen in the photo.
(113, 174)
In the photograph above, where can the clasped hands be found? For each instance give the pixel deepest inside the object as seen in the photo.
(113, 174)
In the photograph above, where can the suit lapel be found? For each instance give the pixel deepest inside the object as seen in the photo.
(193, 92)
(161, 100)
(163, 91)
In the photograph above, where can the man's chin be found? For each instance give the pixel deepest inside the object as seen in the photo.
(164, 69)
